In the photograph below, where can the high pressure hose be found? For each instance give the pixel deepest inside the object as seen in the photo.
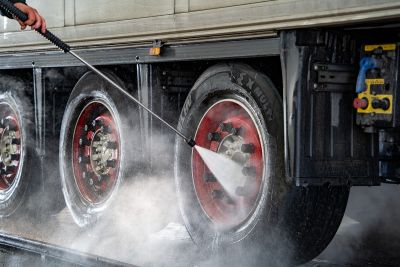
(14, 11)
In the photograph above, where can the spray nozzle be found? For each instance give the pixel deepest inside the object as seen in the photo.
(191, 142)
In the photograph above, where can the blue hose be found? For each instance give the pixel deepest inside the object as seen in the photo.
(366, 63)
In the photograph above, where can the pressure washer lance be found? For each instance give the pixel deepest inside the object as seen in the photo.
(14, 11)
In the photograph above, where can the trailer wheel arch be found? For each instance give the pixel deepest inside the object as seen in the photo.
(273, 217)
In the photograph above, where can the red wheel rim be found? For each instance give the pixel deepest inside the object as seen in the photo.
(96, 152)
(10, 146)
(228, 121)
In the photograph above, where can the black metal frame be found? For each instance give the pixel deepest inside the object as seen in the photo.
(136, 55)
(48, 251)
(323, 144)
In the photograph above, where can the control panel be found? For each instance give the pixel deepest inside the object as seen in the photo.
(377, 100)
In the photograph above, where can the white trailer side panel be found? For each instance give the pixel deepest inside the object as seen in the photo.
(135, 22)
(89, 11)
(195, 5)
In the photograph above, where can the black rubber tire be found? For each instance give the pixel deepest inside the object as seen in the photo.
(28, 180)
(287, 219)
(91, 87)
(312, 217)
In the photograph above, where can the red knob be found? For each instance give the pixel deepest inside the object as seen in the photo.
(360, 103)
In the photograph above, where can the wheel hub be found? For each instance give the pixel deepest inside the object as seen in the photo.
(96, 152)
(10, 146)
(100, 153)
(231, 146)
(228, 128)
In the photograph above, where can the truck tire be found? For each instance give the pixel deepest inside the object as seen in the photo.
(232, 105)
(95, 137)
(18, 160)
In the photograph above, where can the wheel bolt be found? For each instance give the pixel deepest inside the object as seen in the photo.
(214, 137)
(103, 177)
(248, 148)
(83, 159)
(226, 127)
(241, 191)
(91, 181)
(209, 178)
(237, 131)
(249, 171)
(111, 163)
(112, 145)
(98, 123)
(106, 129)
(12, 126)
(84, 142)
(15, 156)
(217, 194)
(11, 169)
(16, 141)
(7, 122)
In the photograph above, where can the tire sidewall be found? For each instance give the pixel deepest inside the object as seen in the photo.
(13, 93)
(257, 93)
(90, 88)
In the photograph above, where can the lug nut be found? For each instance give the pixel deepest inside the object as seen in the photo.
(15, 156)
(91, 181)
(83, 159)
(11, 169)
(249, 171)
(226, 127)
(111, 163)
(112, 145)
(214, 137)
(84, 142)
(248, 148)
(106, 129)
(217, 194)
(96, 140)
(103, 177)
(241, 191)
(238, 131)
(16, 141)
(12, 126)
(209, 178)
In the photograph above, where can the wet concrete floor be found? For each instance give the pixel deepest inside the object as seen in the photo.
(152, 233)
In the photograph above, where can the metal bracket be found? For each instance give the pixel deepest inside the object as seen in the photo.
(334, 77)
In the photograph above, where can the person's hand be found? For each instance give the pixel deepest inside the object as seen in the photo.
(34, 19)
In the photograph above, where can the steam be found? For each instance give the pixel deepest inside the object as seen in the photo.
(369, 232)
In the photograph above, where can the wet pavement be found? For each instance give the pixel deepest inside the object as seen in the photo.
(152, 234)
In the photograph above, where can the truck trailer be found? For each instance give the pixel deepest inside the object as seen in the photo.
(301, 94)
